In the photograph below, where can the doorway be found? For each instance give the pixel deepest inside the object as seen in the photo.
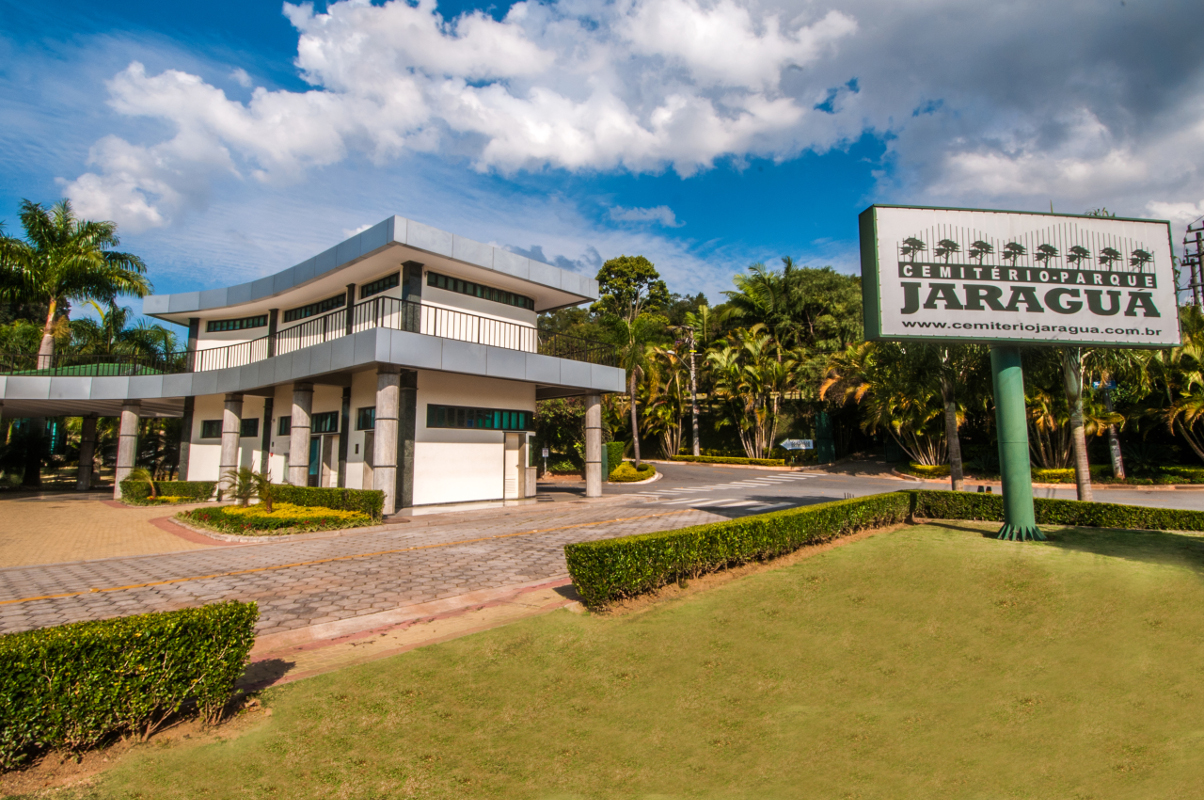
(322, 468)
(513, 466)
(369, 460)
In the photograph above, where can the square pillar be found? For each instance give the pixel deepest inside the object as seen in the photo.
(298, 442)
(384, 438)
(231, 433)
(87, 453)
(593, 445)
(127, 443)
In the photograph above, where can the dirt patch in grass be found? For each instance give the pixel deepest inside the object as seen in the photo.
(59, 770)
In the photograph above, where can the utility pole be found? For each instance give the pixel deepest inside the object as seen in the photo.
(694, 394)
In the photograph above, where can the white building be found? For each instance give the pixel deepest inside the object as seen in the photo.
(405, 359)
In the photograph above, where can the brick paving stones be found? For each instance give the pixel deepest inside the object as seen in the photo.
(321, 579)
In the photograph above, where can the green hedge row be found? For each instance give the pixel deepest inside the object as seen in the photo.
(759, 462)
(928, 470)
(608, 570)
(218, 519)
(75, 685)
(138, 492)
(614, 454)
(365, 501)
(611, 569)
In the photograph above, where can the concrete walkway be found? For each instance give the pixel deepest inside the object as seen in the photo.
(328, 578)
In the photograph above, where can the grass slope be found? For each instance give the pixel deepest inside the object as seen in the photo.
(929, 662)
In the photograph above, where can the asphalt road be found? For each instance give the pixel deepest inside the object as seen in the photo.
(733, 491)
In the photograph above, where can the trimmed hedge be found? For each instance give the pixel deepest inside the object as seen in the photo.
(758, 462)
(611, 569)
(245, 522)
(75, 685)
(928, 470)
(614, 454)
(627, 473)
(364, 501)
(1066, 475)
(137, 493)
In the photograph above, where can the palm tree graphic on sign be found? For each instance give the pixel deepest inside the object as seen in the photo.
(1044, 253)
(980, 249)
(1077, 254)
(1012, 251)
(1140, 258)
(911, 246)
(1108, 256)
(946, 248)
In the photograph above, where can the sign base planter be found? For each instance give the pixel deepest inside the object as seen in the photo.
(1015, 533)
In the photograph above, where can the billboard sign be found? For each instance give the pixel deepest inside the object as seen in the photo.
(1006, 276)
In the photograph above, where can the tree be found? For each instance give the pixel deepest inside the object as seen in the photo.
(631, 339)
(629, 286)
(1109, 256)
(1077, 254)
(980, 249)
(1012, 251)
(1139, 258)
(751, 376)
(912, 246)
(111, 334)
(1044, 253)
(946, 248)
(64, 258)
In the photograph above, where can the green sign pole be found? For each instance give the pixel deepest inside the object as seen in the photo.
(1019, 521)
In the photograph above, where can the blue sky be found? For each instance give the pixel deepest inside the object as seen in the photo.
(230, 140)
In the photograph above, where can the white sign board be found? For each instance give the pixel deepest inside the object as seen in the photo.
(1005, 276)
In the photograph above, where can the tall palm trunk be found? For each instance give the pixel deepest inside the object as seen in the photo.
(635, 426)
(1072, 374)
(46, 348)
(694, 396)
(1118, 461)
(956, 474)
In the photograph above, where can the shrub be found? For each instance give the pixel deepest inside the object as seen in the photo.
(563, 466)
(759, 462)
(627, 473)
(285, 518)
(614, 454)
(74, 685)
(928, 470)
(607, 570)
(1066, 475)
(363, 501)
(137, 493)
(611, 569)
(1185, 474)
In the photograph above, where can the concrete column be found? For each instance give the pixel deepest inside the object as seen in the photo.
(186, 438)
(231, 433)
(384, 439)
(265, 436)
(87, 452)
(127, 443)
(593, 445)
(298, 443)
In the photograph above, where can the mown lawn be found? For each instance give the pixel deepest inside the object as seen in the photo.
(929, 662)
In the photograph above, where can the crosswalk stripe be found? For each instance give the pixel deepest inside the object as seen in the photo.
(739, 504)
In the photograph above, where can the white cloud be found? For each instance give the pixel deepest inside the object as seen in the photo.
(1178, 213)
(242, 78)
(661, 215)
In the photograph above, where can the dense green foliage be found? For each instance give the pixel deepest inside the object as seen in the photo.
(137, 493)
(287, 519)
(614, 455)
(758, 462)
(75, 685)
(611, 569)
(627, 473)
(928, 470)
(369, 502)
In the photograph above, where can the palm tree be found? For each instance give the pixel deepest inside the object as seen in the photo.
(64, 258)
(631, 340)
(751, 376)
(111, 334)
(980, 249)
(1045, 252)
(946, 248)
(1012, 251)
(699, 328)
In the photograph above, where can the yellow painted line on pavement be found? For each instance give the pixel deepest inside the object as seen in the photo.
(336, 558)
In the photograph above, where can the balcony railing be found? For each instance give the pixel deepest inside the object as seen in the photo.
(378, 312)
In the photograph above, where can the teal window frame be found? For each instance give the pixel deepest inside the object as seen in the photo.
(326, 422)
(314, 309)
(380, 285)
(365, 418)
(240, 324)
(447, 283)
(487, 419)
(211, 429)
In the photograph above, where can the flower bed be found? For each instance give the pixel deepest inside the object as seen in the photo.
(627, 473)
(137, 493)
(286, 518)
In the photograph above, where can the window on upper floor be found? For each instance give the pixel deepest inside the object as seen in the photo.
(479, 290)
(327, 422)
(365, 418)
(491, 419)
(284, 426)
(380, 285)
(211, 429)
(314, 309)
(240, 324)
(249, 427)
